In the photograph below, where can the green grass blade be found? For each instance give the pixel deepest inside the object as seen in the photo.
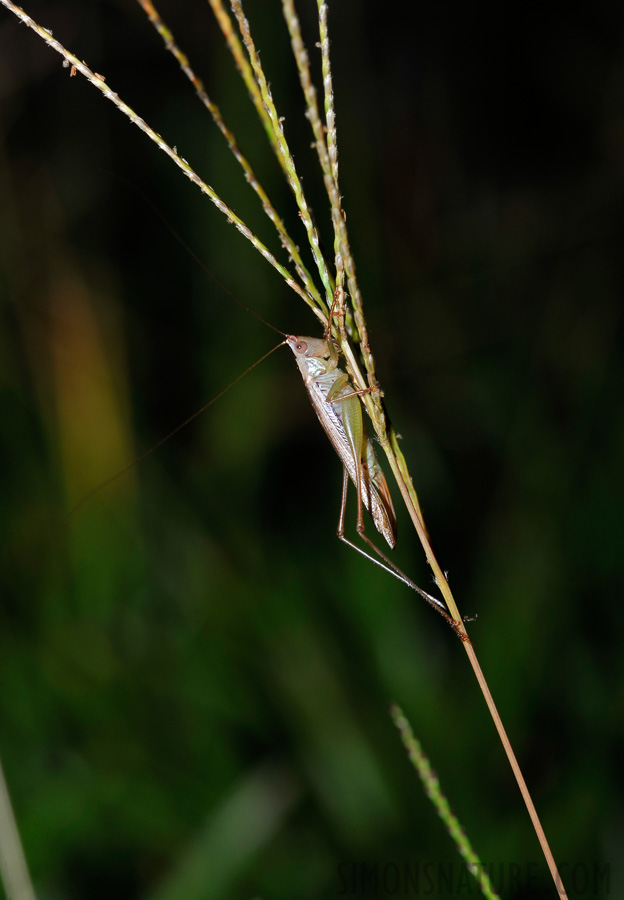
(433, 790)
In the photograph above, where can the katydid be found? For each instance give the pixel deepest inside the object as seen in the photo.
(337, 405)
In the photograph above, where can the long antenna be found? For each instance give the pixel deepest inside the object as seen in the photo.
(113, 478)
(176, 234)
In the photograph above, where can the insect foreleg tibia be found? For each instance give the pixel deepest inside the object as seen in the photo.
(339, 384)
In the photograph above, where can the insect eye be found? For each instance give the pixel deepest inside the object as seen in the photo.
(301, 347)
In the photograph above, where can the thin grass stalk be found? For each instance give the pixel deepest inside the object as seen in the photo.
(328, 91)
(431, 784)
(98, 82)
(321, 135)
(344, 258)
(443, 585)
(291, 172)
(242, 64)
(300, 54)
(319, 131)
(13, 865)
(170, 43)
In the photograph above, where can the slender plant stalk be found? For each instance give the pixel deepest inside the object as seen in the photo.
(431, 784)
(99, 82)
(213, 109)
(328, 91)
(13, 866)
(284, 150)
(246, 73)
(329, 169)
(325, 142)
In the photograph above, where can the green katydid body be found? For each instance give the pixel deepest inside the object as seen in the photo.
(341, 417)
(339, 410)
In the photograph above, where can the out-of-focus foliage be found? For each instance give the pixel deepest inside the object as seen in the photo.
(195, 673)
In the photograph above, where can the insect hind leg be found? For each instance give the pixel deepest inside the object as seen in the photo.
(384, 562)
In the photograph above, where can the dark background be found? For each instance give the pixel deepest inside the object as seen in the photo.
(195, 673)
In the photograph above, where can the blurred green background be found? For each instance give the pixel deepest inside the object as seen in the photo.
(195, 673)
